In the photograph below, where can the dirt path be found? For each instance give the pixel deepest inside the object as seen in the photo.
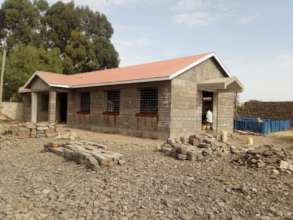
(37, 185)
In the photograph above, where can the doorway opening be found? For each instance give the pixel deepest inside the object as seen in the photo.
(207, 104)
(62, 100)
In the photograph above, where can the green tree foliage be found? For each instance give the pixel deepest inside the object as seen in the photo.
(82, 35)
(23, 61)
(19, 22)
(42, 5)
(34, 29)
(107, 55)
(94, 24)
(61, 19)
(82, 54)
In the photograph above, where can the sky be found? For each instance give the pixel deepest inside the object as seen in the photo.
(253, 38)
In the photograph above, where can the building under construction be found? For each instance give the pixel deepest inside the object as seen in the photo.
(158, 100)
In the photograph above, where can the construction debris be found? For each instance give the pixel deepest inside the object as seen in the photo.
(201, 146)
(32, 130)
(266, 156)
(67, 134)
(91, 154)
(195, 147)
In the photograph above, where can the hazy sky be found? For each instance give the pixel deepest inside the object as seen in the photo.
(254, 38)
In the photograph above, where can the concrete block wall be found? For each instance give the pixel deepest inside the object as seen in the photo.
(183, 107)
(71, 106)
(52, 106)
(215, 111)
(57, 107)
(186, 99)
(128, 121)
(13, 110)
(226, 105)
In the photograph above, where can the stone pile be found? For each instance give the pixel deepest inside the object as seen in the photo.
(34, 130)
(266, 156)
(91, 154)
(67, 134)
(195, 147)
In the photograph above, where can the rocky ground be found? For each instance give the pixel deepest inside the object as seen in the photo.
(149, 185)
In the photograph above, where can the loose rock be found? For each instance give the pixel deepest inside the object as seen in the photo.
(266, 156)
(91, 154)
(32, 130)
(197, 147)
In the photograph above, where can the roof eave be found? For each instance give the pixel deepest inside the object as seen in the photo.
(60, 86)
(155, 79)
(221, 84)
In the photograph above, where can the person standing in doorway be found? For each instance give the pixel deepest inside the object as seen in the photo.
(209, 117)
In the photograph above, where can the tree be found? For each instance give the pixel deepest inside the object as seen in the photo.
(42, 5)
(106, 53)
(19, 22)
(23, 61)
(94, 24)
(82, 54)
(60, 19)
(82, 36)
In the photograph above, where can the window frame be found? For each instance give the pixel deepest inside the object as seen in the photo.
(149, 105)
(115, 99)
(82, 103)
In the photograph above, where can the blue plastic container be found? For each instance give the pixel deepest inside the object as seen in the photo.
(266, 126)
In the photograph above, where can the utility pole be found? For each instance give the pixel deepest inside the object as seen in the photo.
(2, 74)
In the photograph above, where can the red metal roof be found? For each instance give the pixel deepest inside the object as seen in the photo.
(136, 73)
(54, 78)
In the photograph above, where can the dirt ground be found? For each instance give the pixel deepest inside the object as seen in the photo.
(39, 185)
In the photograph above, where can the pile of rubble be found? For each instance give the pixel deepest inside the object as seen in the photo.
(91, 154)
(267, 156)
(195, 147)
(66, 134)
(33, 130)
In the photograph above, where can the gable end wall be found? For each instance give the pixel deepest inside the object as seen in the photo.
(39, 85)
(186, 104)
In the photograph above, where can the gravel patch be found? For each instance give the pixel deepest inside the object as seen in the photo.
(149, 185)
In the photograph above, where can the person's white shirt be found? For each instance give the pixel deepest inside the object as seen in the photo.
(209, 116)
